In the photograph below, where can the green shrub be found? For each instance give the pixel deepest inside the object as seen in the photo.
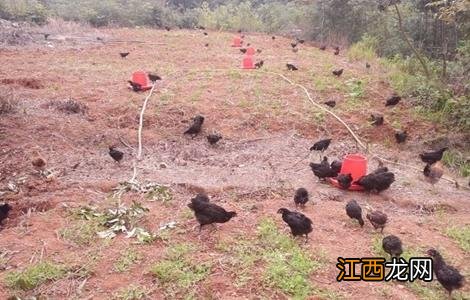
(32, 11)
(365, 49)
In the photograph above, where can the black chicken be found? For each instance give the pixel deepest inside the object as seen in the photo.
(331, 103)
(291, 67)
(393, 100)
(378, 219)
(344, 180)
(392, 245)
(205, 33)
(377, 119)
(336, 166)
(301, 197)
(243, 50)
(115, 154)
(336, 51)
(432, 157)
(321, 145)
(300, 41)
(293, 45)
(259, 64)
(338, 73)
(167, 28)
(154, 77)
(46, 35)
(367, 65)
(208, 213)
(323, 47)
(273, 37)
(448, 276)
(195, 128)
(299, 224)
(124, 54)
(401, 136)
(323, 171)
(433, 172)
(4, 210)
(376, 182)
(135, 86)
(207, 45)
(213, 138)
(380, 169)
(354, 211)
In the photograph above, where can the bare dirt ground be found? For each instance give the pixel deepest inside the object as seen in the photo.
(268, 126)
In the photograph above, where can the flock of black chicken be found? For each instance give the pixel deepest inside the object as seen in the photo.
(207, 213)
(379, 180)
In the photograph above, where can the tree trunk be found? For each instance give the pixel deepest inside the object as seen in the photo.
(410, 44)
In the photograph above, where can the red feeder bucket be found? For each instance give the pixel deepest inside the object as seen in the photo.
(141, 78)
(248, 62)
(237, 42)
(250, 51)
(356, 165)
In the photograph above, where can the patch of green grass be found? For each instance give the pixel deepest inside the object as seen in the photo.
(424, 290)
(285, 266)
(131, 292)
(177, 272)
(365, 49)
(354, 95)
(288, 266)
(82, 232)
(234, 74)
(126, 260)
(458, 161)
(355, 88)
(461, 235)
(320, 84)
(317, 115)
(35, 275)
(246, 254)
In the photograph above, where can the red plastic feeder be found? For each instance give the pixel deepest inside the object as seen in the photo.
(250, 51)
(141, 78)
(248, 62)
(356, 165)
(237, 41)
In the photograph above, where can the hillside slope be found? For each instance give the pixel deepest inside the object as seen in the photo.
(267, 125)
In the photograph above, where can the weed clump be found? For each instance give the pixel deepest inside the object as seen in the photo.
(35, 275)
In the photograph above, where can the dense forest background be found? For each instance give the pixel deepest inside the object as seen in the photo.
(424, 43)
